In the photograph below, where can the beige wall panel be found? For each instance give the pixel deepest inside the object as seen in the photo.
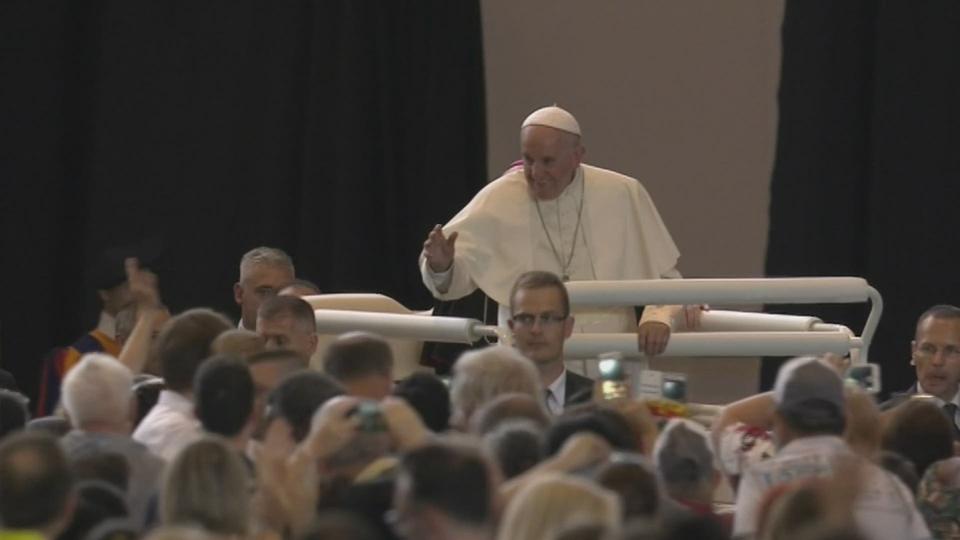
(679, 94)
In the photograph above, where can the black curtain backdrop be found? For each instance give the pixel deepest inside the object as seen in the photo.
(340, 131)
(866, 175)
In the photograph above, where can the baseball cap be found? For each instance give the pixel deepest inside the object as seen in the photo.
(804, 379)
(683, 453)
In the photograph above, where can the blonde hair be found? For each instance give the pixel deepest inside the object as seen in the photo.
(479, 376)
(553, 503)
(208, 485)
(238, 342)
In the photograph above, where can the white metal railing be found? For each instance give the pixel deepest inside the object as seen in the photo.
(791, 336)
(716, 344)
(723, 333)
(405, 326)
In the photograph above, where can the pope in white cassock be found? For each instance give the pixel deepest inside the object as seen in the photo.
(558, 214)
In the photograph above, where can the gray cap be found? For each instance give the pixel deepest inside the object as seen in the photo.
(804, 379)
(683, 453)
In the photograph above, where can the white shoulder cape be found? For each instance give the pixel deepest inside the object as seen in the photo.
(627, 237)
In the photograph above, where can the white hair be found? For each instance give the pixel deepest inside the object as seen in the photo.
(97, 389)
(479, 376)
(265, 255)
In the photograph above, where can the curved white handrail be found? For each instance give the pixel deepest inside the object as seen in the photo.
(720, 291)
(457, 330)
(402, 325)
(724, 333)
(716, 320)
(716, 344)
(735, 291)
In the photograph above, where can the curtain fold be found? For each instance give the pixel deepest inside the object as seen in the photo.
(340, 131)
(867, 169)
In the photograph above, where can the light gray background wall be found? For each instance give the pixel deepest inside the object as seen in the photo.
(680, 94)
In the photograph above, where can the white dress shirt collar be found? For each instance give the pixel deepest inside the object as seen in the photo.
(558, 393)
(938, 401)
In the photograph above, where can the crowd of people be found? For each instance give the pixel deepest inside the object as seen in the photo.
(191, 426)
(201, 428)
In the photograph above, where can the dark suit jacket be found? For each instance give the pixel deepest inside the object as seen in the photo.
(896, 398)
(579, 389)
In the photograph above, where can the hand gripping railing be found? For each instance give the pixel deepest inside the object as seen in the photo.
(790, 335)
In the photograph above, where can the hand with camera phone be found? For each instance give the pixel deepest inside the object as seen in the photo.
(289, 484)
(405, 426)
(581, 451)
(332, 427)
(369, 417)
(864, 376)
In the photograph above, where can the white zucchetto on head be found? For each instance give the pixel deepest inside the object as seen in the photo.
(554, 117)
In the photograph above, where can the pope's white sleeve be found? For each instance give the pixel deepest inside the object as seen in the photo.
(448, 285)
(671, 316)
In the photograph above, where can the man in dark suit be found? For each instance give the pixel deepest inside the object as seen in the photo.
(935, 352)
(540, 321)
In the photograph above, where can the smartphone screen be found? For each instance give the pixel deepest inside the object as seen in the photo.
(613, 380)
(866, 376)
(675, 389)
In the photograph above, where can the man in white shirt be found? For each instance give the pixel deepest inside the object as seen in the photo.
(808, 423)
(540, 321)
(557, 214)
(98, 396)
(183, 344)
(935, 352)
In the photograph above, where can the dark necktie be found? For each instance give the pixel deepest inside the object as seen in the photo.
(547, 394)
(950, 409)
